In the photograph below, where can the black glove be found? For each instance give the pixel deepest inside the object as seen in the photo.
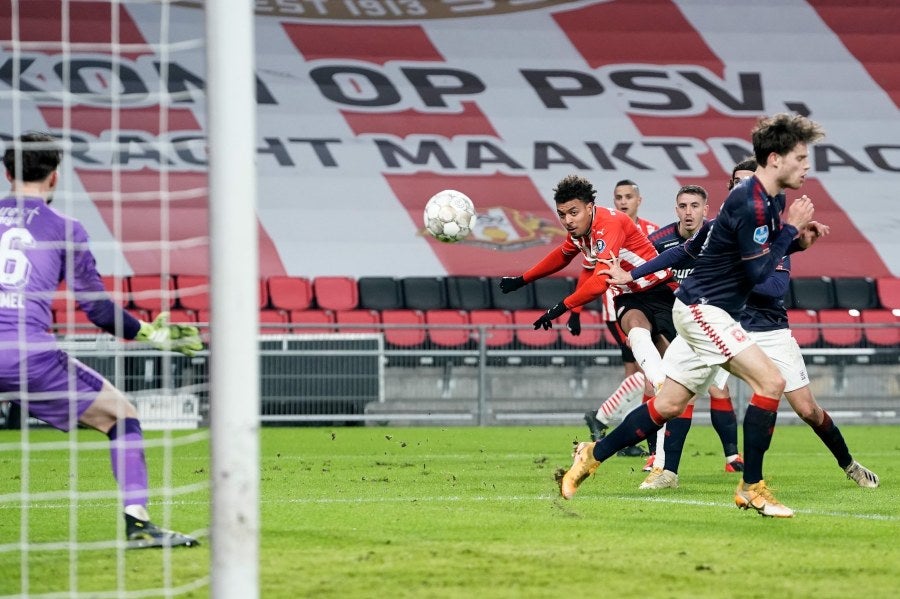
(508, 284)
(546, 321)
(574, 324)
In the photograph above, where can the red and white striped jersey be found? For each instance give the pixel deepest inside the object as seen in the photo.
(607, 306)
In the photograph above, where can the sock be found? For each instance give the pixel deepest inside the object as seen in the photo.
(759, 424)
(623, 398)
(724, 420)
(659, 446)
(676, 433)
(647, 355)
(126, 452)
(833, 439)
(639, 424)
(651, 440)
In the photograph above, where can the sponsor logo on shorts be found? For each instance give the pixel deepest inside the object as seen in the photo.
(739, 335)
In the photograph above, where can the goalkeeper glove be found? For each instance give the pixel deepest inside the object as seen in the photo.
(508, 284)
(546, 321)
(162, 335)
(574, 324)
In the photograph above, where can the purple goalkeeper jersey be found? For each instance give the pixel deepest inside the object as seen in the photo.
(35, 243)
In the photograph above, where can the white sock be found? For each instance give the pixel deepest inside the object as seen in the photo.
(137, 511)
(660, 460)
(623, 398)
(647, 355)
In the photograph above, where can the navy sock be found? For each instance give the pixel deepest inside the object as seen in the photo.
(676, 432)
(759, 424)
(833, 439)
(638, 425)
(725, 422)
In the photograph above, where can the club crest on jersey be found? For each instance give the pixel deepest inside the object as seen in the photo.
(761, 234)
(601, 245)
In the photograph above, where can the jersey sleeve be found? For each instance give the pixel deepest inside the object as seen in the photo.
(91, 294)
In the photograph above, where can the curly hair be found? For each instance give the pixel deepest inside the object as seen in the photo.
(39, 153)
(574, 187)
(781, 133)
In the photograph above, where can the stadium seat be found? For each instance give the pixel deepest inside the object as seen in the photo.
(263, 294)
(521, 299)
(290, 293)
(152, 292)
(549, 291)
(424, 293)
(886, 329)
(193, 292)
(269, 321)
(116, 287)
(438, 320)
(813, 293)
(75, 323)
(497, 326)
(404, 328)
(357, 321)
(855, 293)
(315, 321)
(806, 336)
(336, 293)
(176, 315)
(888, 289)
(528, 336)
(469, 293)
(380, 293)
(846, 336)
(589, 337)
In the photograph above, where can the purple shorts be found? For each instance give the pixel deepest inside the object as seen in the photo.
(60, 388)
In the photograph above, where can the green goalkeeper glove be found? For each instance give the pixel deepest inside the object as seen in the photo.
(162, 335)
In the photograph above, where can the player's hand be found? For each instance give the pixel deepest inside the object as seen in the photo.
(574, 323)
(617, 276)
(508, 284)
(546, 320)
(811, 233)
(162, 335)
(800, 212)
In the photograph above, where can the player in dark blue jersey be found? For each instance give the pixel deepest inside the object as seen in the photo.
(41, 247)
(691, 207)
(741, 250)
(765, 319)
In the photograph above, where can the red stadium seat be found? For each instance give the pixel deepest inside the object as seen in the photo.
(74, 323)
(846, 336)
(805, 336)
(177, 315)
(152, 292)
(886, 335)
(530, 337)
(355, 321)
(336, 293)
(589, 337)
(193, 292)
(497, 326)
(290, 293)
(269, 321)
(263, 294)
(448, 337)
(316, 321)
(888, 292)
(404, 335)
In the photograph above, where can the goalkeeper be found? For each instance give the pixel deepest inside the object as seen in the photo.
(38, 247)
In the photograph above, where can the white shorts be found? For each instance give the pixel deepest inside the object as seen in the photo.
(707, 337)
(782, 349)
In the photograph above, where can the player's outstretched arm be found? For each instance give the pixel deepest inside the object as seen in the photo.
(167, 336)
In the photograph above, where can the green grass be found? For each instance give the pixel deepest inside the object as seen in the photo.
(469, 512)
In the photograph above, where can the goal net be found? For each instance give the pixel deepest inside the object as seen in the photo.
(125, 88)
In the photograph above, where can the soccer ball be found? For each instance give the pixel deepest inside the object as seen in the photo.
(449, 216)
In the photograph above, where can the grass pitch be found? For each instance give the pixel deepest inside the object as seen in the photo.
(474, 512)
